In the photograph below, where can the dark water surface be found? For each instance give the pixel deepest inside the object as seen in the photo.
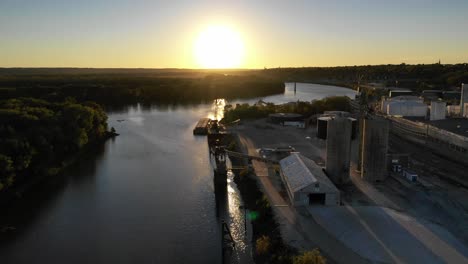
(145, 197)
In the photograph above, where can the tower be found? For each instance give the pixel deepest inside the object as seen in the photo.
(374, 149)
(463, 99)
(338, 149)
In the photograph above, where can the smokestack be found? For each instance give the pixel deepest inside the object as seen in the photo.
(463, 99)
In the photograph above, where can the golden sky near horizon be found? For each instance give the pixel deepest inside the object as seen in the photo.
(241, 34)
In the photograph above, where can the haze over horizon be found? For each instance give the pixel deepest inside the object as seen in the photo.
(241, 34)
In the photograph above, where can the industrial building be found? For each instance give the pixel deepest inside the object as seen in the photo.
(438, 110)
(404, 106)
(338, 149)
(374, 149)
(399, 92)
(306, 183)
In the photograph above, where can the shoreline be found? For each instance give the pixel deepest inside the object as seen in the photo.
(14, 195)
(256, 201)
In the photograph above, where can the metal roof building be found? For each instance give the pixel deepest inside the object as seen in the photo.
(306, 183)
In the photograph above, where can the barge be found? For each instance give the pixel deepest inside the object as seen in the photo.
(202, 127)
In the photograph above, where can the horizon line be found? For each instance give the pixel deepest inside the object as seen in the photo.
(222, 69)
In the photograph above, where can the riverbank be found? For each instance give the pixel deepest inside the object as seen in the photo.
(261, 215)
(9, 197)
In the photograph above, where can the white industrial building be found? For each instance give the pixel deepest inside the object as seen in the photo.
(404, 106)
(403, 98)
(306, 183)
(407, 108)
(438, 110)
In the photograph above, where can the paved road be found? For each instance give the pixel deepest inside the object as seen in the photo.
(298, 228)
(385, 235)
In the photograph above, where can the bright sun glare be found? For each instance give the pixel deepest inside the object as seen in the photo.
(219, 47)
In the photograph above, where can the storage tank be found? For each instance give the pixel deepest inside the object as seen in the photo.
(438, 109)
(338, 149)
(322, 125)
(374, 149)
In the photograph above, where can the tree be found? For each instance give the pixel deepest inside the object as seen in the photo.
(310, 257)
(36, 136)
(263, 245)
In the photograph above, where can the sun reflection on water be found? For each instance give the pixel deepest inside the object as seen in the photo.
(217, 108)
(236, 221)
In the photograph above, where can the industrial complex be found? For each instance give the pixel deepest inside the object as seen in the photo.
(306, 183)
(387, 177)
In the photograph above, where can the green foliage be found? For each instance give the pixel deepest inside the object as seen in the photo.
(117, 90)
(310, 257)
(415, 77)
(37, 136)
(246, 111)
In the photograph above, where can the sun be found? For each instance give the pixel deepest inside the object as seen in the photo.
(219, 47)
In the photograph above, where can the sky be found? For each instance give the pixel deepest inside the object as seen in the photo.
(162, 34)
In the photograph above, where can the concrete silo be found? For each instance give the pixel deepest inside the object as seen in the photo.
(322, 125)
(339, 132)
(463, 100)
(374, 149)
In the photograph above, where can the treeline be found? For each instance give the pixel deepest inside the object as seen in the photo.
(37, 138)
(261, 110)
(113, 89)
(417, 77)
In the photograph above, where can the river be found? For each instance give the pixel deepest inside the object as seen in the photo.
(146, 196)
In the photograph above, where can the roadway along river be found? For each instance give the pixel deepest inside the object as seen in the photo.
(145, 197)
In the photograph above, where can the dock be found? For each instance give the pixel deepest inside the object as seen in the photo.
(202, 127)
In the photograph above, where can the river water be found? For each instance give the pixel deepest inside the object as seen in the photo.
(145, 197)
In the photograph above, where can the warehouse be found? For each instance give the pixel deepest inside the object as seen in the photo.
(406, 98)
(306, 183)
(407, 108)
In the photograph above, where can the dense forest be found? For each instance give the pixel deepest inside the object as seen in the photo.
(48, 116)
(38, 137)
(416, 77)
(113, 89)
(246, 111)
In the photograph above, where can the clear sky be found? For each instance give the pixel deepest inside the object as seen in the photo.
(160, 34)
